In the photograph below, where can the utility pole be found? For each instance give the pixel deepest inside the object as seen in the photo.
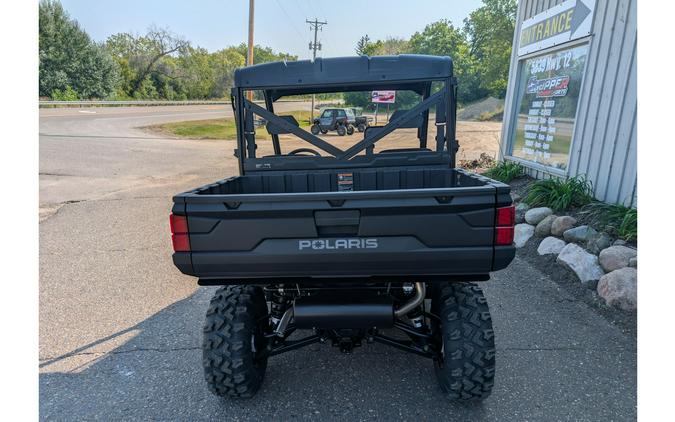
(249, 60)
(314, 25)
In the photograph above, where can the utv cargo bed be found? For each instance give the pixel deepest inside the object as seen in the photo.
(405, 223)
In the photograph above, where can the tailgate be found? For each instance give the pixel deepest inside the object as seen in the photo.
(446, 231)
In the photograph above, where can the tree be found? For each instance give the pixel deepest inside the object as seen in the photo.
(362, 45)
(443, 39)
(489, 30)
(144, 54)
(69, 60)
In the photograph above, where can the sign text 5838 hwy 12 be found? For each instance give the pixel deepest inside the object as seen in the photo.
(567, 21)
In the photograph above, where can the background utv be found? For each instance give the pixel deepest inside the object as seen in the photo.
(343, 246)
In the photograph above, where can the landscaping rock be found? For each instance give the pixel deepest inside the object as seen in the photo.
(583, 264)
(561, 224)
(535, 215)
(598, 242)
(550, 245)
(619, 242)
(579, 234)
(616, 257)
(619, 288)
(633, 262)
(521, 209)
(543, 229)
(522, 233)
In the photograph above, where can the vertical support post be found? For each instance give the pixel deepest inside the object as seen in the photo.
(269, 104)
(423, 130)
(239, 119)
(450, 118)
(249, 133)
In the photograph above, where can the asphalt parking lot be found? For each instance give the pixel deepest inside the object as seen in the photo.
(120, 327)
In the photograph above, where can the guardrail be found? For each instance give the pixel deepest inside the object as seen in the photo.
(50, 103)
(141, 103)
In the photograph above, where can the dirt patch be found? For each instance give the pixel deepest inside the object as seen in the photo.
(487, 109)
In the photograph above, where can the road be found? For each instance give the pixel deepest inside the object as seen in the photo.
(120, 327)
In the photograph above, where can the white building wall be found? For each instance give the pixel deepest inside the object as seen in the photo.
(604, 145)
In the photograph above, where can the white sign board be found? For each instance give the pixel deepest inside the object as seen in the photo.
(387, 97)
(567, 21)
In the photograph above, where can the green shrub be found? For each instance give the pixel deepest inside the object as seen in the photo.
(68, 94)
(505, 171)
(617, 219)
(559, 194)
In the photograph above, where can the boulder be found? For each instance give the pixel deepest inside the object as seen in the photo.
(619, 242)
(633, 262)
(535, 215)
(597, 242)
(579, 234)
(583, 264)
(616, 257)
(561, 224)
(522, 233)
(543, 229)
(619, 288)
(551, 245)
(521, 209)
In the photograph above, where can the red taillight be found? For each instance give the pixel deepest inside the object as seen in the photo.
(506, 216)
(504, 236)
(505, 219)
(179, 233)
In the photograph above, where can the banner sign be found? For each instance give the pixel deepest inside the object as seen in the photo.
(567, 21)
(387, 97)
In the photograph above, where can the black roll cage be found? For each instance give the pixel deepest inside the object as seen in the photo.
(444, 152)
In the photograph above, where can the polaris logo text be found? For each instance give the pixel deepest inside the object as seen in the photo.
(332, 244)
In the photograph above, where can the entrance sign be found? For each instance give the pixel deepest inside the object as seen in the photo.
(547, 105)
(386, 97)
(567, 21)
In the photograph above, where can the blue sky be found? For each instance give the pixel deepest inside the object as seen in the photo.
(279, 24)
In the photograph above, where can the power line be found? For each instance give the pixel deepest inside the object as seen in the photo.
(316, 26)
(290, 20)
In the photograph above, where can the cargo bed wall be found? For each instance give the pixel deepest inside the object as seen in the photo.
(356, 180)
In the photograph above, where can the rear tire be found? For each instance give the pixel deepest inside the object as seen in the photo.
(233, 336)
(350, 130)
(341, 130)
(361, 127)
(467, 369)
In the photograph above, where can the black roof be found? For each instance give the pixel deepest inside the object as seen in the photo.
(406, 71)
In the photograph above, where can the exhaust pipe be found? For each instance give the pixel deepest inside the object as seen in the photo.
(348, 312)
(420, 293)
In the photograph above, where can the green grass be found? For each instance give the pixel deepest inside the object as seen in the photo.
(505, 171)
(617, 219)
(560, 195)
(221, 128)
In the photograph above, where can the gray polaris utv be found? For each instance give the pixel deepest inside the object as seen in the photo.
(320, 244)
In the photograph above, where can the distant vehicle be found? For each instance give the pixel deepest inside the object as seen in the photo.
(361, 122)
(341, 120)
